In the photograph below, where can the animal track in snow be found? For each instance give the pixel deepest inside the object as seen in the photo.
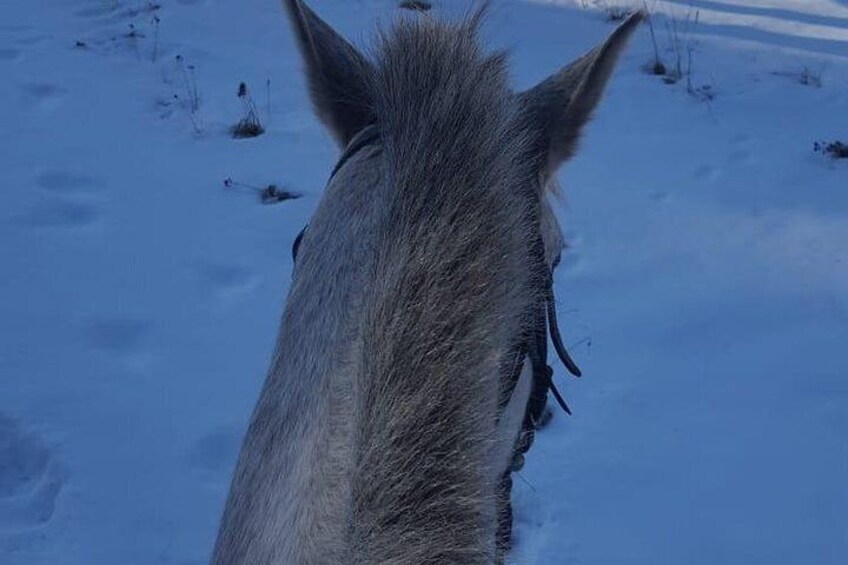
(62, 210)
(60, 214)
(33, 39)
(9, 54)
(742, 152)
(228, 282)
(119, 336)
(43, 95)
(66, 182)
(708, 173)
(741, 156)
(14, 28)
(29, 480)
(216, 451)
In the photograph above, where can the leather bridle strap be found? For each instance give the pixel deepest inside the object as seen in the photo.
(545, 317)
(365, 137)
(545, 323)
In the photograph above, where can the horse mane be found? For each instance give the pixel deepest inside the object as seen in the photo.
(452, 292)
(375, 434)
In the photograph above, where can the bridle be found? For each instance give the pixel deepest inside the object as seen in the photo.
(364, 137)
(533, 346)
(545, 317)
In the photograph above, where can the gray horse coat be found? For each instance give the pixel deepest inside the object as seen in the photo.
(382, 432)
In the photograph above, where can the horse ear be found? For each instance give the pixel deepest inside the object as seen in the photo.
(563, 103)
(337, 74)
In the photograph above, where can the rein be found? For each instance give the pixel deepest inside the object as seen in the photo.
(536, 348)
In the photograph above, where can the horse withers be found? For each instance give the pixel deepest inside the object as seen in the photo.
(410, 363)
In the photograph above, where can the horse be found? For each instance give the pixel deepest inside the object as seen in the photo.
(410, 369)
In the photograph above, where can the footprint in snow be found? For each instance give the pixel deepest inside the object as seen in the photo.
(63, 209)
(742, 152)
(741, 156)
(14, 28)
(708, 173)
(118, 336)
(29, 479)
(59, 214)
(217, 451)
(33, 39)
(123, 341)
(45, 96)
(64, 182)
(9, 54)
(227, 283)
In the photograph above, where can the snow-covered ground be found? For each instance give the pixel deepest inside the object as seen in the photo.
(705, 293)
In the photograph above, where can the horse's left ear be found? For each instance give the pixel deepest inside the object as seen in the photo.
(337, 74)
(563, 103)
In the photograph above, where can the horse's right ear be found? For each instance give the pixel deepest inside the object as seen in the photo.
(562, 104)
(337, 74)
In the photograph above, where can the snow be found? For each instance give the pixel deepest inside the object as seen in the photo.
(705, 291)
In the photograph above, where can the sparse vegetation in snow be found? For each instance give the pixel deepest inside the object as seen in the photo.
(807, 75)
(417, 5)
(249, 125)
(674, 62)
(834, 149)
(269, 194)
